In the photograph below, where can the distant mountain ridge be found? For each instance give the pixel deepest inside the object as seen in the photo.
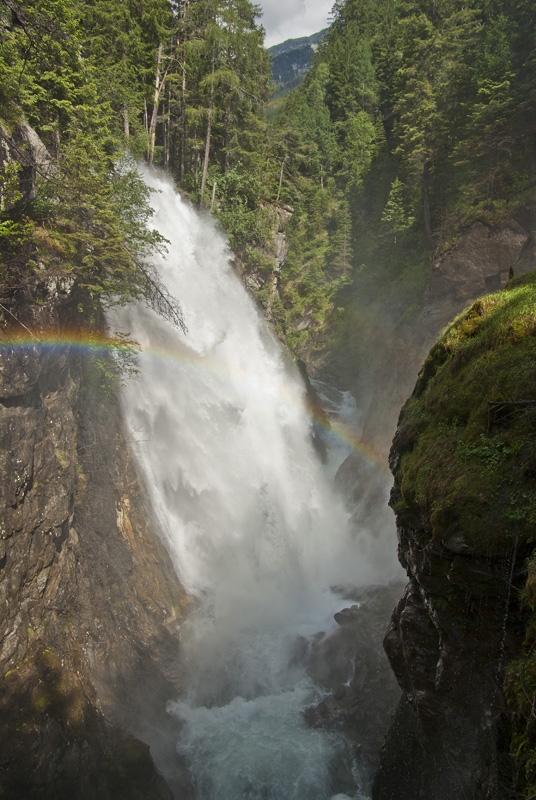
(293, 58)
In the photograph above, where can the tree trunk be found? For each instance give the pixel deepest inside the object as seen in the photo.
(426, 204)
(213, 195)
(154, 115)
(209, 131)
(280, 179)
(158, 86)
(167, 134)
(226, 140)
(183, 126)
(182, 153)
(126, 123)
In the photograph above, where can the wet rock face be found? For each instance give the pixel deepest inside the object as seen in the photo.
(463, 539)
(38, 474)
(448, 651)
(361, 692)
(90, 602)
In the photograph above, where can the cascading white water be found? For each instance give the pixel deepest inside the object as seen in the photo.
(255, 529)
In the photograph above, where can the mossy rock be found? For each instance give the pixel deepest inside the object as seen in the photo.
(465, 451)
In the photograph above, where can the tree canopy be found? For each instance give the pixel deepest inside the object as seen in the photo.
(415, 118)
(180, 84)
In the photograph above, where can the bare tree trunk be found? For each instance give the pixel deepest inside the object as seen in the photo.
(126, 123)
(183, 125)
(167, 136)
(182, 154)
(209, 131)
(213, 196)
(426, 203)
(280, 179)
(158, 86)
(154, 115)
(226, 123)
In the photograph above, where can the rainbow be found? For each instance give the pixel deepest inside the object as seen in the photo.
(98, 343)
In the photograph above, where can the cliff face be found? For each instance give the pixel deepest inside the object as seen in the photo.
(477, 263)
(88, 633)
(464, 463)
(360, 692)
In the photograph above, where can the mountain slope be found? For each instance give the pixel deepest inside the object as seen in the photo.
(292, 59)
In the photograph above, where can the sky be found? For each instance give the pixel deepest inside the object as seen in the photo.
(289, 19)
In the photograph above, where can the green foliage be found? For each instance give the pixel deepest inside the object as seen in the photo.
(239, 195)
(395, 215)
(417, 114)
(14, 234)
(93, 77)
(415, 118)
(489, 453)
(121, 42)
(105, 371)
(10, 193)
(361, 137)
(91, 210)
(96, 217)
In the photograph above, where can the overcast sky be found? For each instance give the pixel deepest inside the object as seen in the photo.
(289, 19)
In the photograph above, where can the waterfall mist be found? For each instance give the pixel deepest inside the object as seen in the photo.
(258, 535)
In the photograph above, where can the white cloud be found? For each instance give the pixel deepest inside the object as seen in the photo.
(289, 19)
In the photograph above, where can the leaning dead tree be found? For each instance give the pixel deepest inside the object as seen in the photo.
(160, 300)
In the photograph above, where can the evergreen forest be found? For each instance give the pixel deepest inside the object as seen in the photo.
(416, 119)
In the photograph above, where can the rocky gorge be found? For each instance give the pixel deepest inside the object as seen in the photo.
(463, 462)
(90, 633)
(455, 639)
(197, 556)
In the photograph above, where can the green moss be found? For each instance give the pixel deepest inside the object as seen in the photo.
(63, 458)
(468, 465)
(467, 450)
(41, 699)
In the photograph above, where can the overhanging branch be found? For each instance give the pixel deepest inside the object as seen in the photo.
(161, 301)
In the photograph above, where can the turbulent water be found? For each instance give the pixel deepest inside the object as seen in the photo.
(257, 533)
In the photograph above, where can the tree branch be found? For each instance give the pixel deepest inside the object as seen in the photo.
(161, 301)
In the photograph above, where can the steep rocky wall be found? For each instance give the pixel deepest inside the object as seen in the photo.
(359, 689)
(88, 633)
(479, 262)
(464, 462)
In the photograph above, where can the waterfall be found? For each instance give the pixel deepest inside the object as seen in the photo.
(258, 536)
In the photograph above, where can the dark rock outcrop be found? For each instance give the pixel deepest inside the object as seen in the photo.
(464, 479)
(88, 633)
(361, 692)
